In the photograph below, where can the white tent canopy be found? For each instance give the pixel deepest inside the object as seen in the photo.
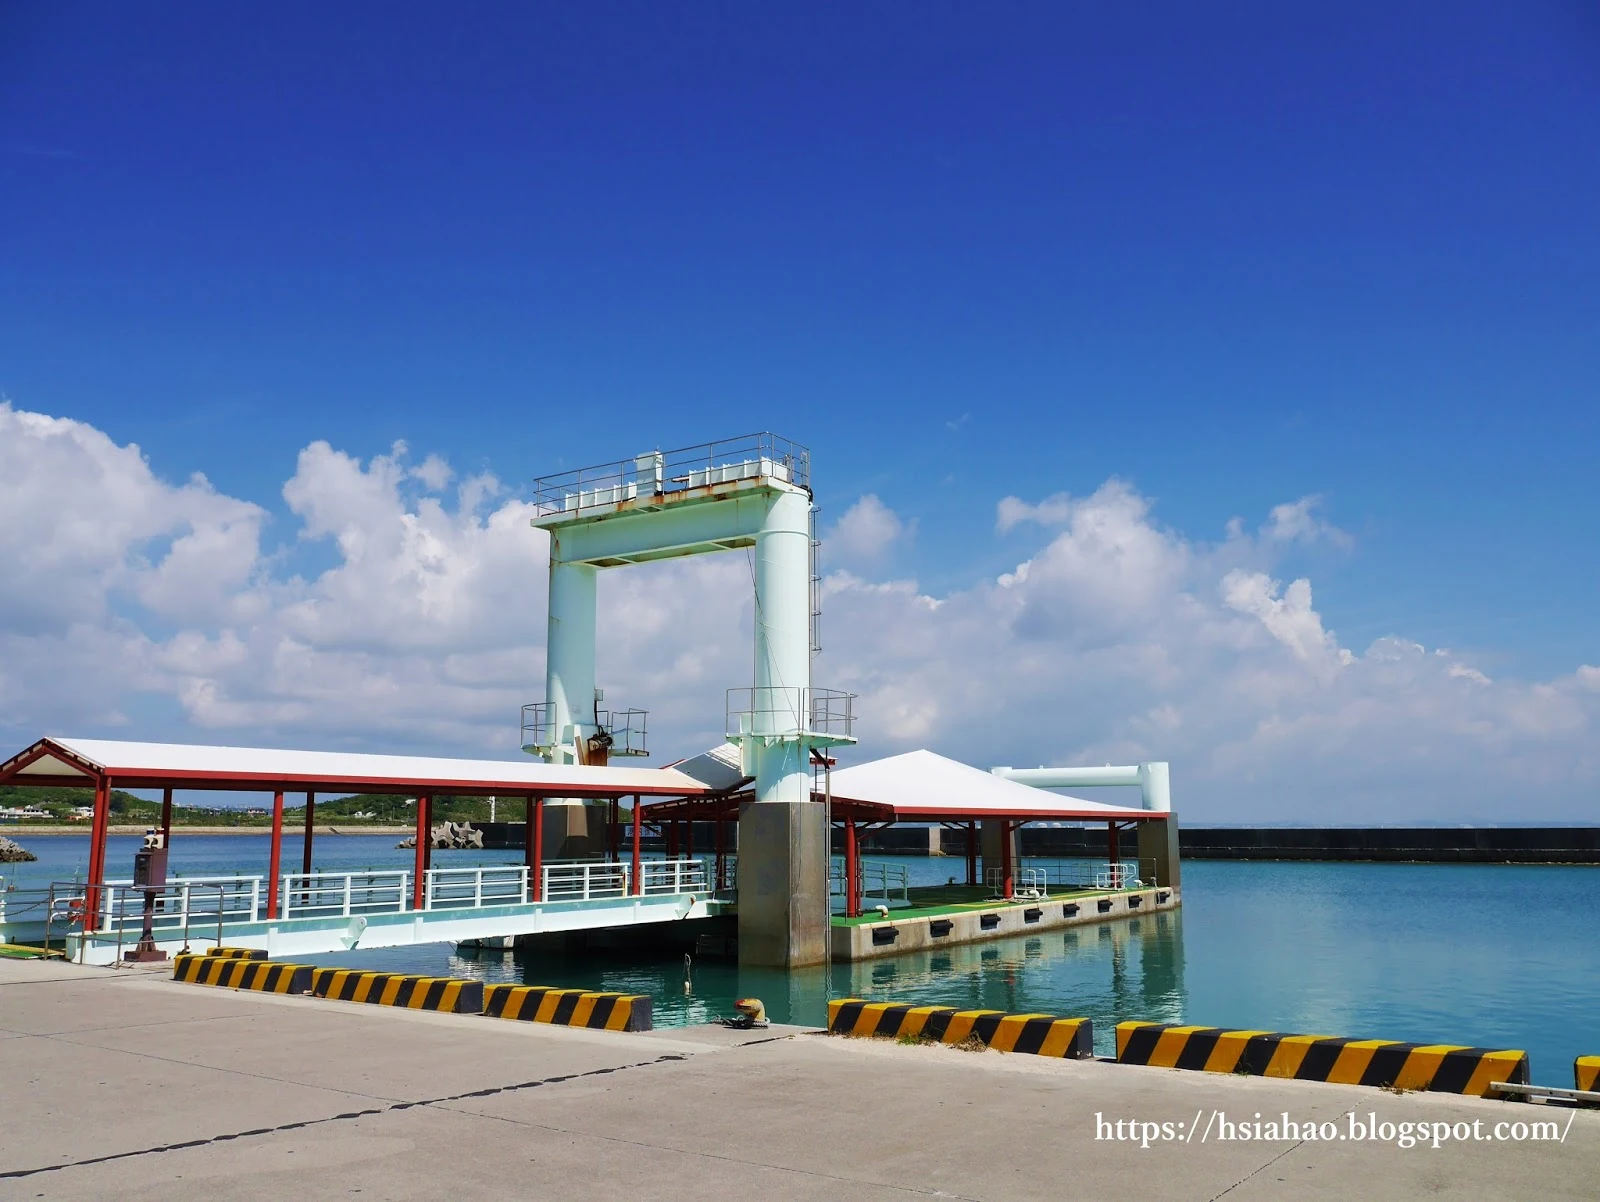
(921, 786)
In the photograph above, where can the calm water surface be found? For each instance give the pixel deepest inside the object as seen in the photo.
(1504, 956)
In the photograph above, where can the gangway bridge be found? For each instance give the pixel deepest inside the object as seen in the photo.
(327, 912)
(307, 912)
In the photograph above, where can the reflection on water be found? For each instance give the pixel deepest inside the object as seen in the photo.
(1107, 972)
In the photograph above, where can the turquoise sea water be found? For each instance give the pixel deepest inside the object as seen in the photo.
(1487, 955)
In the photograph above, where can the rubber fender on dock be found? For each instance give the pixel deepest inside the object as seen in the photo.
(238, 953)
(1437, 1068)
(570, 1007)
(448, 994)
(229, 972)
(1586, 1074)
(1030, 1034)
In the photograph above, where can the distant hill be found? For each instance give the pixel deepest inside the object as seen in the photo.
(385, 809)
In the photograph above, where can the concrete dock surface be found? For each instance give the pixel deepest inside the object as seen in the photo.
(123, 1084)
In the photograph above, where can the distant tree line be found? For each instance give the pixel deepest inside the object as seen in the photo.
(380, 809)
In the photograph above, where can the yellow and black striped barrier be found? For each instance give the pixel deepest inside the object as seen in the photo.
(1437, 1068)
(238, 953)
(1586, 1073)
(1031, 1034)
(228, 972)
(399, 989)
(570, 1007)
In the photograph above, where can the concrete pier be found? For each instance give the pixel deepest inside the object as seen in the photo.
(124, 1084)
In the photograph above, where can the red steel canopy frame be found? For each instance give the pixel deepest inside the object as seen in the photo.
(921, 786)
(106, 764)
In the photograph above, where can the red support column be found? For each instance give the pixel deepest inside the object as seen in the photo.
(311, 812)
(852, 871)
(614, 830)
(97, 855)
(972, 853)
(1007, 872)
(688, 836)
(420, 860)
(536, 881)
(166, 817)
(1113, 852)
(527, 840)
(275, 860)
(722, 853)
(638, 847)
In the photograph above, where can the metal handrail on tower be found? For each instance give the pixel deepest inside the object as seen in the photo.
(776, 711)
(628, 729)
(665, 473)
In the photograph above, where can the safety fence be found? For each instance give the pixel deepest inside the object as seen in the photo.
(888, 882)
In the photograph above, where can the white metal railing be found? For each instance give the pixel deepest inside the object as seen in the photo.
(198, 901)
(878, 879)
(323, 894)
(584, 880)
(1093, 874)
(662, 474)
(200, 898)
(779, 711)
(208, 901)
(447, 888)
(660, 877)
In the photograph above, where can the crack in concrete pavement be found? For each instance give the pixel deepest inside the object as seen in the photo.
(336, 1118)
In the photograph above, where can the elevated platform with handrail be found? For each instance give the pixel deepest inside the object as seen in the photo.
(338, 911)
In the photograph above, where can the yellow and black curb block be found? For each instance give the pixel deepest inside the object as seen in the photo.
(1030, 1034)
(570, 1007)
(1586, 1074)
(238, 953)
(230, 973)
(1437, 1068)
(398, 989)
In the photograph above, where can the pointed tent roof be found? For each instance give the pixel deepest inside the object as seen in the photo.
(63, 761)
(921, 786)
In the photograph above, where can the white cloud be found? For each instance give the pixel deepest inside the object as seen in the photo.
(1298, 521)
(149, 608)
(865, 533)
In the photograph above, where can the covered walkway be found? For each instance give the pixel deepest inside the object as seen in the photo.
(917, 786)
(106, 764)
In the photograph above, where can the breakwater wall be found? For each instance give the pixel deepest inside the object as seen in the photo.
(1442, 845)
(1413, 845)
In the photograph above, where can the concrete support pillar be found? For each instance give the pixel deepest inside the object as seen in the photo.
(994, 837)
(783, 884)
(1158, 846)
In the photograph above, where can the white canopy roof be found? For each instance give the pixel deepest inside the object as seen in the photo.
(923, 786)
(186, 766)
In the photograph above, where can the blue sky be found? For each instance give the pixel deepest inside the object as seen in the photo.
(1234, 255)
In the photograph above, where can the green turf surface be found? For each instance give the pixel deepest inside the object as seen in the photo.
(933, 901)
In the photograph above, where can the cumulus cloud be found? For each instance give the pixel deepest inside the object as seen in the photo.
(150, 608)
(865, 533)
(1299, 521)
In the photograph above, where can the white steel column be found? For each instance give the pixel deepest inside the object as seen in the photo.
(783, 647)
(569, 654)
